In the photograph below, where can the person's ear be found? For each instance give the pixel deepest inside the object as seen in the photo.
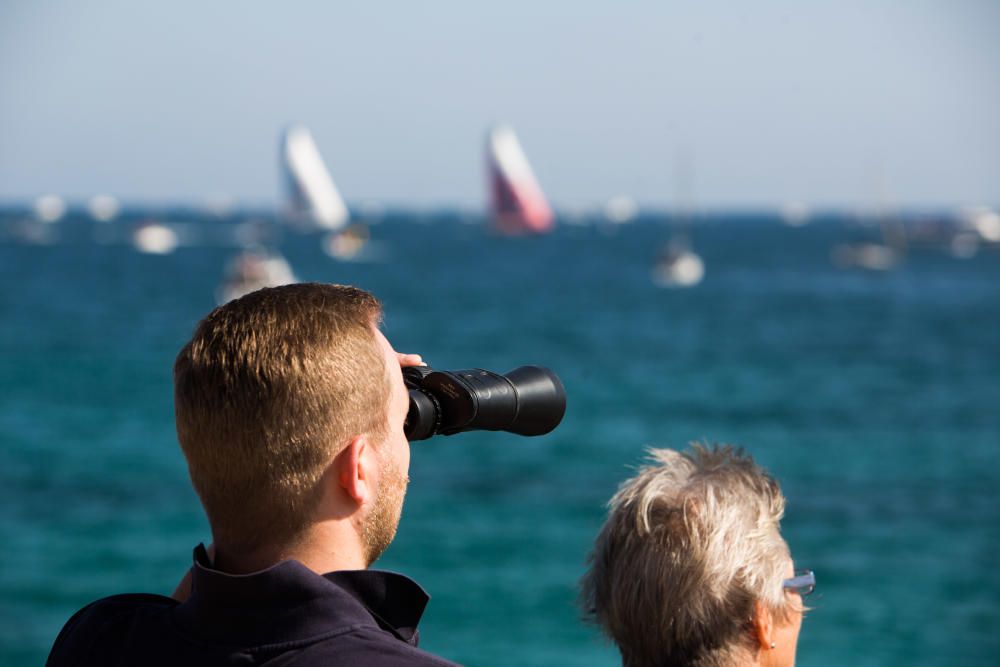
(355, 468)
(763, 626)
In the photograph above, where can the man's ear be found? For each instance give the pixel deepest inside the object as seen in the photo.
(354, 469)
(763, 626)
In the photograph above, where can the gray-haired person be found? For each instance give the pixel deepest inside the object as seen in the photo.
(690, 567)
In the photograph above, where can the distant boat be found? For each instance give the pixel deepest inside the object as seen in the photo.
(517, 204)
(49, 208)
(153, 238)
(313, 199)
(874, 256)
(866, 256)
(620, 210)
(678, 266)
(348, 243)
(252, 270)
(103, 208)
(795, 214)
(984, 221)
(879, 255)
(977, 227)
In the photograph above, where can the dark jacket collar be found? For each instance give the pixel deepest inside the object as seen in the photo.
(288, 602)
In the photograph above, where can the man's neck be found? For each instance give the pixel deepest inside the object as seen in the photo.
(325, 547)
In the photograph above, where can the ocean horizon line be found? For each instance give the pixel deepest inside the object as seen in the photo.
(377, 209)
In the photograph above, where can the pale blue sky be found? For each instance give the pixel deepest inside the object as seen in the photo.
(771, 101)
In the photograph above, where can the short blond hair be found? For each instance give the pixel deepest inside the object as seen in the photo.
(690, 544)
(267, 391)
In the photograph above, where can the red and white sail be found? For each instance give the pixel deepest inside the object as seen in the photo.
(313, 199)
(517, 203)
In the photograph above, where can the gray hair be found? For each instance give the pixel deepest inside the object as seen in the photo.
(690, 544)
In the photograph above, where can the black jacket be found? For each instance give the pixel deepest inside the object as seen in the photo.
(286, 615)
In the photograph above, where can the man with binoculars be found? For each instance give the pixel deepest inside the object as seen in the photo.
(293, 414)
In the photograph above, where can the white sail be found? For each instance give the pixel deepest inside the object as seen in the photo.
(313, 198)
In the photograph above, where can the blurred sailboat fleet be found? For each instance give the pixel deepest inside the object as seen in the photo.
(516, 202)
(516, 205)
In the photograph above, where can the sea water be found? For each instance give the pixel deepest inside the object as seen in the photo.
(874, 398)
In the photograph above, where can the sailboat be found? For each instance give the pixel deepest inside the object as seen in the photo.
(313, 200)
(516, 202)
(678, 265)
(867, 256)
(881, 255)
(873, 255)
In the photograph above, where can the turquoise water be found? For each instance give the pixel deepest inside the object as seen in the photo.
(872, 398)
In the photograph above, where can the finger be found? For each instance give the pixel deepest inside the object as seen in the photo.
(410, 360)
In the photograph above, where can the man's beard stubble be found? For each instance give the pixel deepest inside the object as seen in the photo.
(380, 525)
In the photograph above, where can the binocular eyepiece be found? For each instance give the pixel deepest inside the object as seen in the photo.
(529, 400)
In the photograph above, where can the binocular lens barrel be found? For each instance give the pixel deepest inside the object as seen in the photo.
(529, 400)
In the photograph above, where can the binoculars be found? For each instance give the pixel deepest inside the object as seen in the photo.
(529, 400)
